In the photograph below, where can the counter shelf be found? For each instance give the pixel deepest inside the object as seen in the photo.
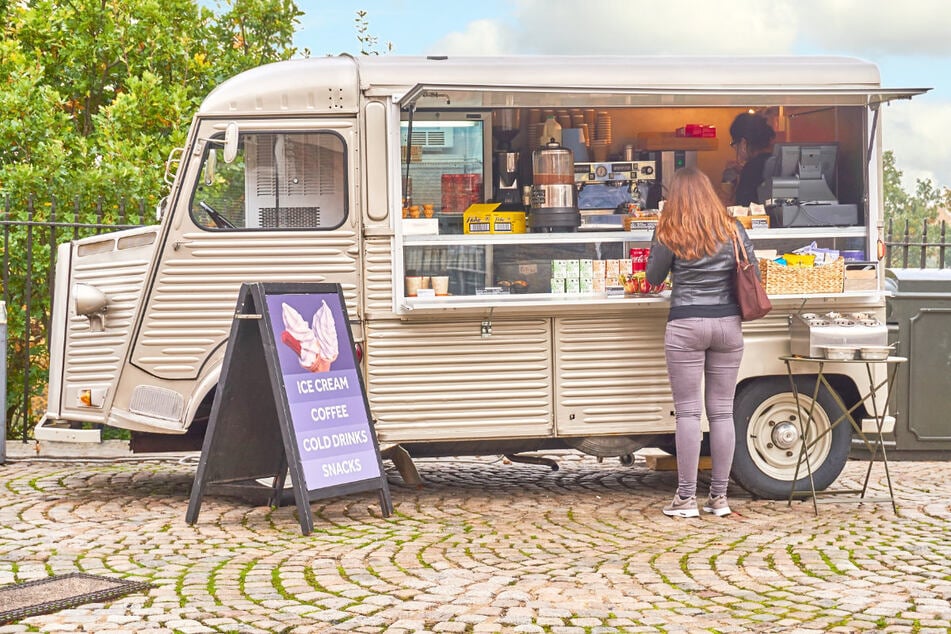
(874, 442)
(546, 301)
(791, 233)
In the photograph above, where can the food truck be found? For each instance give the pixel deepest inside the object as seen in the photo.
(480, 215)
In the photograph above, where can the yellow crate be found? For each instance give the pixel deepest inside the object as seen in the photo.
(795, 280)
(483, 218)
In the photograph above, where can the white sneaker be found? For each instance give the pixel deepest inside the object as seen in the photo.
(717, 505)
(682, 508)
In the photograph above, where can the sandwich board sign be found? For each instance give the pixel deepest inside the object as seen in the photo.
(291, 399)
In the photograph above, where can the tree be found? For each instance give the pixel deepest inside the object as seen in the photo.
(908, 214)
(94, 96)
(368, 41)
(127, 76)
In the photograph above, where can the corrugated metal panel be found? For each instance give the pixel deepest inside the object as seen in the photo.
(378, 276)
(612, 376)
(90, 358)
(444, 381)
(192, 303)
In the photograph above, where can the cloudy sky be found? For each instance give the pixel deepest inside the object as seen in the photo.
(909, 40)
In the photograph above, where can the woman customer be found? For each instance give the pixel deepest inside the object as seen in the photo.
(751, 137)
(703, 342)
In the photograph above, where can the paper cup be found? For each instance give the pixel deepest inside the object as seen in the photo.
(413, 284)
(441, 284)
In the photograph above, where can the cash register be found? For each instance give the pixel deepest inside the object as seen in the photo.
(798, 186)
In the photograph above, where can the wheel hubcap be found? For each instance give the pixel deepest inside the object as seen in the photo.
(785, 435)
(773, 437)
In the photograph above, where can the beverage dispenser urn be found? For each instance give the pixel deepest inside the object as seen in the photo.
(554, 197)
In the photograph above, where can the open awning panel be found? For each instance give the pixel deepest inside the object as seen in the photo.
(478, 97)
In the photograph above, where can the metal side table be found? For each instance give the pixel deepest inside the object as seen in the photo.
(874, 441)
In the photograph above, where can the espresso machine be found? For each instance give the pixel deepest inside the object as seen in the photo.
(607, 192)
(506, 190)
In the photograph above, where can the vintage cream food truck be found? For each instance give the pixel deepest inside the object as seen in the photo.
(496, 330)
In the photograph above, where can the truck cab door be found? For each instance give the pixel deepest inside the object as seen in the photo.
(282, 210)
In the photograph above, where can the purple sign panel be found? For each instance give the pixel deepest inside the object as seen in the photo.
(328, 411)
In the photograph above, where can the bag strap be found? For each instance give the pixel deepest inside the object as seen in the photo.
(737, 250)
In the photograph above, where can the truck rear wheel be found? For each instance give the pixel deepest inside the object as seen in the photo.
(768, 437)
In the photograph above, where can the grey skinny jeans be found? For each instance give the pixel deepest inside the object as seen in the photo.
(703, 354)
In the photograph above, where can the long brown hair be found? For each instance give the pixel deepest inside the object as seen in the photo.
(694, 222)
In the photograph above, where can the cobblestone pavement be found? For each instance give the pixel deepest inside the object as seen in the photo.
(485, 546)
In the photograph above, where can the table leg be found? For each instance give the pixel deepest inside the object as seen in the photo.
(805, 424)
(879, 417)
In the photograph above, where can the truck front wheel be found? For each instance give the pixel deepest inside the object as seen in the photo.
(769, 440)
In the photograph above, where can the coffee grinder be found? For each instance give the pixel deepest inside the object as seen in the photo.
(505, 126)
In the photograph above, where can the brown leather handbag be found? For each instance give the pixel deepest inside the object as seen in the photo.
(750, 294)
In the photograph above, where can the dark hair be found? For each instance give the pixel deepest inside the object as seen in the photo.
(754, 128)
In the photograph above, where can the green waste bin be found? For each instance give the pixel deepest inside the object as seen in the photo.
(918, 313)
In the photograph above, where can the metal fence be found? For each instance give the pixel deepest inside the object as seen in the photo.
(31, 231)
(906, 247)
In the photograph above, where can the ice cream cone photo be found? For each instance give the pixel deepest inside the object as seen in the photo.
(299, 337)
(325, 331)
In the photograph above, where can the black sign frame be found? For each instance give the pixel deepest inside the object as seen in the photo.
(251, 433)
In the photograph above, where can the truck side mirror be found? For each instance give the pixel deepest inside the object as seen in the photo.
(230, 152)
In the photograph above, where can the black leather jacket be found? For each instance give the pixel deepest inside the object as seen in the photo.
(707, 281)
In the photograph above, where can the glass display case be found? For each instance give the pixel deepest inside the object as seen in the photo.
(547, 268)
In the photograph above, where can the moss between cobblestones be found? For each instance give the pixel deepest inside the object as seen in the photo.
(422, 561)
(179, 588)
(373, 572)
(278, 584)
(242, 581)
(684, 564)
(269, 518)
(210, 585)
(828, 562)
(311, 579)
(653, 564)
(796, 559)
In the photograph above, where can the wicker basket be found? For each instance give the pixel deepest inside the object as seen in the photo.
(793, 280)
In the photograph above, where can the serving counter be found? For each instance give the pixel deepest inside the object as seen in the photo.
(520, 272)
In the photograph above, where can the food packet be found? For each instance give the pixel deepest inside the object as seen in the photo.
(821, 255)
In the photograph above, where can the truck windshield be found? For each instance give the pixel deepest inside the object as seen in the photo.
(277, 181)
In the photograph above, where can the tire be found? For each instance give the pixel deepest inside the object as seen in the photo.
(768, 438)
